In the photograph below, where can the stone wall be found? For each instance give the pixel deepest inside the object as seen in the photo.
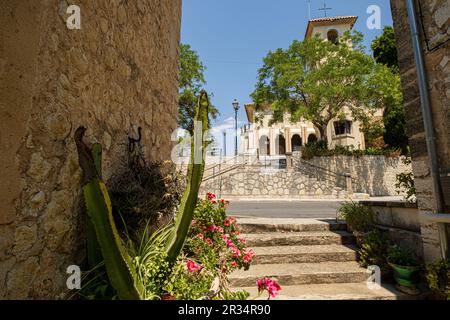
(117, 73)
(436, 47)
(373, 175)
(258, 182)
(401, 220)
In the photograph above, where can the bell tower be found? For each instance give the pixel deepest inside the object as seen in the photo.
(330, 28)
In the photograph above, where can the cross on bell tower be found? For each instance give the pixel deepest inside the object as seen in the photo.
(324, 9)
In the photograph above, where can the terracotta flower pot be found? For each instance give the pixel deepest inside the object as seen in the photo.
(168, 297)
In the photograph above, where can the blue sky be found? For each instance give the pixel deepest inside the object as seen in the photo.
(233, 36)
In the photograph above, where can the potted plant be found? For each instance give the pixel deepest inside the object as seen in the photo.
(438, 278)
(405, 266)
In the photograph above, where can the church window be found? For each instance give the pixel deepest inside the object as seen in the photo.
(333, 36)
(342, 127)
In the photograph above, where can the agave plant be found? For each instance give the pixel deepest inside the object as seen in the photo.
(194, 178)
(119, 267)
(103, 236)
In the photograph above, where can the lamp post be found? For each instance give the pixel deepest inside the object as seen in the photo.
(236, 109)
(225, 144)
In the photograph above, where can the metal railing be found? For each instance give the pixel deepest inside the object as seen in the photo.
(339, 180)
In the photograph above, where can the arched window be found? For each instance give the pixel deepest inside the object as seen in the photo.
(312, 138)
(333, 36)
(281, 145)
(296, 142)
(264, 146)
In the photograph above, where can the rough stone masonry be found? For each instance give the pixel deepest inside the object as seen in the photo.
(118, 72)
(435, 36)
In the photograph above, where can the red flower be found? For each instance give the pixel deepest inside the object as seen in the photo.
(270, 285)
(234, 264)
(248, 255)
(192, 266)
(210, 196)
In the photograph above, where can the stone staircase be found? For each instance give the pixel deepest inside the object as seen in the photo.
(311, 259)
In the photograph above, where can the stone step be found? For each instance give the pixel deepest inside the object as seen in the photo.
(305, 254)
(298, 238)
(341, 291)
(301, 273)
(261, 225)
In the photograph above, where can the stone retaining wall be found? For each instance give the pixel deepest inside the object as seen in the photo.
(375, 175)
(258, 182)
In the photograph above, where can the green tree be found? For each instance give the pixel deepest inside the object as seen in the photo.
(192, 80)
(315, 79)
(385, 49)
(385, 52)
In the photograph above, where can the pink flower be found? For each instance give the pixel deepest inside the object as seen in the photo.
(229, 221)
(192, 266)
(243, 241)
(225, 237)
(248, 255)
(236, 252)
(209, 241)
(270, 285)
(194, 222)
(249, 252)
(200, 236)
(230, 244)
(214, 228)
(234, 264)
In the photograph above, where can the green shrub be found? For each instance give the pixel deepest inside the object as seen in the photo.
(320, 149)
(358, 217)
(438, 278)
(405, 182)
(374, 249)
(402, 257)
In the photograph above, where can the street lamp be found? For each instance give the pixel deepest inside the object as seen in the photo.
(225, 144)
(236, 109)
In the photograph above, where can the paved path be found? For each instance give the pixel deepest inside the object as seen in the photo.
(284, 209)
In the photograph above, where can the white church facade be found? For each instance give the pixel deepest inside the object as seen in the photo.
(261, 139)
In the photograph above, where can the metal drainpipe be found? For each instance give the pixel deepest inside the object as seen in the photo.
(427, 119)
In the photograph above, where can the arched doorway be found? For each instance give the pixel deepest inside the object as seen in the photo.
(296, 142)
(312, 138)
(281, 145)
(264, 146)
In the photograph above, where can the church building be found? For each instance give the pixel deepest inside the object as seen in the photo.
(276, 140)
